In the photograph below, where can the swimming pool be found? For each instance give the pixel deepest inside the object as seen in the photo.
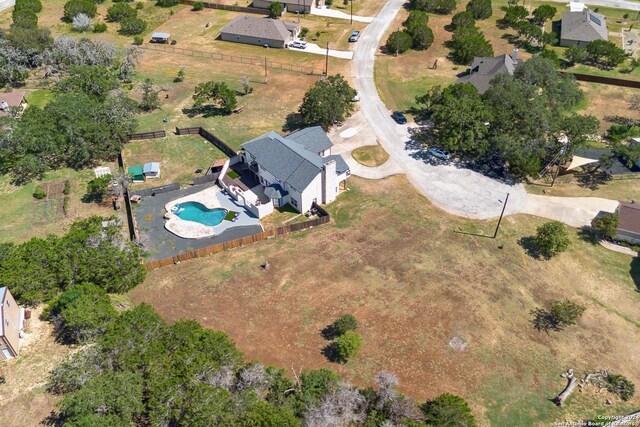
(197, 212)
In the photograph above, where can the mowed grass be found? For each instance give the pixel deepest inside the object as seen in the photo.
(624, 189)
(370, 155)
(179, 157)
(23, 217)
(39, 98)
(394, 261)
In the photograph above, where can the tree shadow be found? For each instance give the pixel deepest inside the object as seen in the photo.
(329, 333)
(54, 419)
(634, 271)
(544, 321)
(92, 198)
(330, 352)
(593, 180)
(530, 247)
(293, 122)
(586, 233)
(205, 111)
(620, 120)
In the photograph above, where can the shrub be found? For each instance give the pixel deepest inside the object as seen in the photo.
(625, 16)
(139, 5)
(167, 3)
(132, 26)
(552, 56)
(97, 187)
(417, 28)
(463, 19)
(120, 11)
(74, 7)
(398, 42)
(82, 23)
(65, 205)
(138, 40)
(32, 5)
(24, 18)
(551, 239)
(39, 193)
(303, 32)
(621, 386)
(436, 6)
(180, 76)
(100, 27)
(566, 312)
(347, 346)
(606, 225)
(449, 410)
(67, 187)
(275, 9)
(198, 6)
(343, 324)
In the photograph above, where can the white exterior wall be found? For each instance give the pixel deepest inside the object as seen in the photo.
(330, 182)
(313, 191)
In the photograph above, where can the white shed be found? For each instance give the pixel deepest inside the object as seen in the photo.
(151, 170)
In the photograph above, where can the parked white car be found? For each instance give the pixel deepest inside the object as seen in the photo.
(298, 44)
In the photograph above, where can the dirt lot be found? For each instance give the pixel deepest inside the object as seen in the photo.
(414, 284)
(23, 398)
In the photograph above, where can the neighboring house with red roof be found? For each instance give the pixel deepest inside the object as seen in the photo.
(628, 223)
(11, 102)
(12, 318)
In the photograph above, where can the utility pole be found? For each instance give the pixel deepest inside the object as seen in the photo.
(326, 63)
(501, 214)
(351, 12)
(266, 74)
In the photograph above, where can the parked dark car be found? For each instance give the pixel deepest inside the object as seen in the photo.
(399, 118)
(354, 36)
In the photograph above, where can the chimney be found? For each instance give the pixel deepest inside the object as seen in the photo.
(514, 55)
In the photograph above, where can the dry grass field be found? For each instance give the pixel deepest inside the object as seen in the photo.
(370, 155)
(414, 283)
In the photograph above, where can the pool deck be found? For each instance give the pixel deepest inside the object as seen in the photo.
(211, 198)
(160, 243)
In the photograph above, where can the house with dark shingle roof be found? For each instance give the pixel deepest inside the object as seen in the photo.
(581, 28)
(298, 169)
(628, 223)
(484, 69)
(260, 31)
(301, 6)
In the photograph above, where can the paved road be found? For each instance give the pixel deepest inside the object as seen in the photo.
(621, 4)
(458, 191)
(314, 48)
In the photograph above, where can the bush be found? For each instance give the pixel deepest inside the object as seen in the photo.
(24, 18)
(82, 23)
(100, 27)
(180, 76)
(138, 40)
(566, 312)
(167, 3)
(197, 6)
(120, 11)
(343, 324)
(398, 42)
(448, 410)
(552, 56)
(139, 5)
(303, 32)
(32, 5)
(67, 187)
(347, 346)
(132, 26)
(65, 205)
(417, 28)
(39, 193)
(275, 9)
(551, 239)
(606, 225)
(462, 19)
(621, 386)
(481, 9)
(97, 187)
(74, 7)
(436, 6)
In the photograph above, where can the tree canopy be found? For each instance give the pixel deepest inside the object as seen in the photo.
(327, 102)
(219, 94)
(467, 43)
(481, 9)
(435, 6)
(551, 239)
(399, 42)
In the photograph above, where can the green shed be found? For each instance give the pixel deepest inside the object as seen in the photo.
(136, 173)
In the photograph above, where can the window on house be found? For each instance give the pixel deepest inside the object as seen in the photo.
(294, 203)
(8, 305)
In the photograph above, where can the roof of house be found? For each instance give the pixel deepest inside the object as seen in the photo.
(151, 167)
(585, 26)
(629, 217)
(275, 191)
(13, 99)
(289, 160)
(160, 35)
(3, 292)
(313, 139)
(616, 168)
(484, 69)
(294, 2)
(262, 28)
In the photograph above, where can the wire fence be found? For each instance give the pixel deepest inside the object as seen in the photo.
(309, 70)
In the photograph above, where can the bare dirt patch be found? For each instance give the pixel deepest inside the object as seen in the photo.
(414, 284)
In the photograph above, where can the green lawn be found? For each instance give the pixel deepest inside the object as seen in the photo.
(39, 98)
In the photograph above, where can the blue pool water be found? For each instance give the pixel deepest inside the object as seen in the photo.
(197, 212)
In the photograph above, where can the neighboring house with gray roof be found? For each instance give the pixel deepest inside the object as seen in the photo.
(11, 323)
(260, 31)
(302, 6)
(484, 69)
(581, 28)
(298, 169)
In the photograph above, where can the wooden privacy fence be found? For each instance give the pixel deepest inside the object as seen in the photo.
(253, 238)
(236, 59)
(210, 5)
(217, 142)
(148, 135)
(606, 80)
